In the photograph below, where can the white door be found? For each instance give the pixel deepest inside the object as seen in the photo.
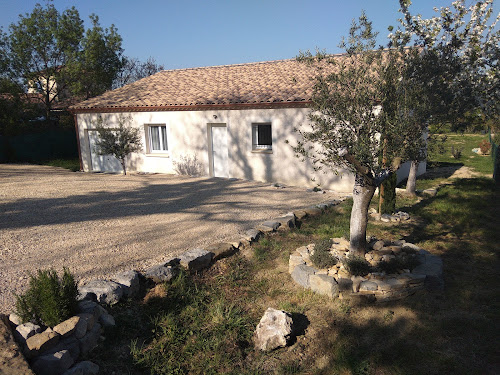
(219, 151)
(101, 163)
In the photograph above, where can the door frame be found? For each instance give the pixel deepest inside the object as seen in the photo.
(210, 150)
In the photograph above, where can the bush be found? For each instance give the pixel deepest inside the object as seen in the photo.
(357, 266)
(456, 154)
(322, 257)
(49, 300)
(397, 264)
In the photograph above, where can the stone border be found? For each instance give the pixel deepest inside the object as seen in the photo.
(54, 351)
(336, 282)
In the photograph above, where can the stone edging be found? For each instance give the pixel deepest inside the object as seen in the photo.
(54, 351)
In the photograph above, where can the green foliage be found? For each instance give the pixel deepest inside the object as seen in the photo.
(322, 257)
(118, 142)
(388, 204)
(485, 146)
(49, 299)
(357, 266)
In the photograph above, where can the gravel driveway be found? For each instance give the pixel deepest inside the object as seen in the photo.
(99, 224)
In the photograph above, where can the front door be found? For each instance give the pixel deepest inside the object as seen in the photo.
(219, 151)
(101, 163)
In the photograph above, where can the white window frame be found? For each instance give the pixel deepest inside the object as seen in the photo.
(163, 141)
(255, 137)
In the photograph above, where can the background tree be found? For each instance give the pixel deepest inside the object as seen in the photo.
(357, 119)
(133, 70)
(100, 60)
(119, 142)
(40, 44)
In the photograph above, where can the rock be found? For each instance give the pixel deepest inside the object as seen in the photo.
(356, 283)
(53, 364)
(268, 226)
(432, 192)
(300, 214)
(160, 273)
(237, 243)
(324, 284)
(221, 250)
(286, 222)
(274, 330)
(410, 248)
(322, 206)
(195, 259)
(107, 320)
(90, 340)
(130, 281)
(42, 341)
(313, 211)
(378, 245)
(303, 251)
(301, 275)
(90, 307)
(386, 218)
(432, 267)
(25, 331)
(252, 235)
(83, 368)
(71, 344)
(12, 361)
(106, 291)
(85, 324)
(368, 286)
(15, 319)
(67, 327)
(295, 260)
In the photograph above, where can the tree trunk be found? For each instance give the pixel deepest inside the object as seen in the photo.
(411, 184)
(362, 195)
(122, 161)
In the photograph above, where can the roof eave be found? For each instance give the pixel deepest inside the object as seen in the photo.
(199, 107)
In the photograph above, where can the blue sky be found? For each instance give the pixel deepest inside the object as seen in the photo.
(189, 33)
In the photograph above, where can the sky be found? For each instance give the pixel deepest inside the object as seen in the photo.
(196, 33)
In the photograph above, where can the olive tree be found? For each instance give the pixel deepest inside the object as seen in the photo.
(359, 119)
(119, 142)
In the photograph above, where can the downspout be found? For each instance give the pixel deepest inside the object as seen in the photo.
(78, 141)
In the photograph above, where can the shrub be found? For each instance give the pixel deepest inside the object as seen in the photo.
(322, 257)
(49, 299)
(390, 266)
(485, 147)
(456, 154)
(357, 266)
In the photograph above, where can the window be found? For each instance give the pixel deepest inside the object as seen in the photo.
(157, 138)
(261, 137)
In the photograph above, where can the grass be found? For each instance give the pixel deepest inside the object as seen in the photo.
(71, 164)
(203, 324)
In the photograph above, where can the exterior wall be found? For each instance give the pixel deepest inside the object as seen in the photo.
(188, 134)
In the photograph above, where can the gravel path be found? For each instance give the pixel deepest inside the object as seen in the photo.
(99, 224)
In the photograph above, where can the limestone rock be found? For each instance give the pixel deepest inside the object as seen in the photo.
(85, 324)
(368, 286)
(195, 259)
(15, 319)
(313, 211)
(268, 226)
(431, 192)
(295, 260)
(25, 331)
(300, 214)
(107, 320)
(324, 284)
(301, 275)
(67, 327)
(130, 281)
(378, 245)
(71, 344)
(90, 307)
(53, 364)
(274, 330)
(90, 340)
(356, 283)
(106, 291)
(83, 368)
(42, 341)
(221, 250)
(160, 273)
(252, 235)
(286, 222)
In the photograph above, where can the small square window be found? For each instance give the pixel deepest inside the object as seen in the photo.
(157, 138)
(262, 137)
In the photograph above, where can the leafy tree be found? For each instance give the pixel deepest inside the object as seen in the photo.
(119, 142)
(455, 64)
(359, 119)
(40, 45)
(100, 60)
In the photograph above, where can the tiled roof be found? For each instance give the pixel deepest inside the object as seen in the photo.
(257, 84)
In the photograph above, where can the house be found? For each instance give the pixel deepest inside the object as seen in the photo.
(236, 120)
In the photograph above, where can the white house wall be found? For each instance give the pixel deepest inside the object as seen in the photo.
(188, 135)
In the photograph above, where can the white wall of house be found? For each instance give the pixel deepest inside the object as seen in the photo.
(189, 133)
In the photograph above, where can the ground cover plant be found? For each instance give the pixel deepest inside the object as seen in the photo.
(71, 164)
(204, 324)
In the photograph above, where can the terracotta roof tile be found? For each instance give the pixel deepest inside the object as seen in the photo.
(264, 82)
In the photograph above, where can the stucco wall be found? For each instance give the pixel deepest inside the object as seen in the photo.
(188, 134)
